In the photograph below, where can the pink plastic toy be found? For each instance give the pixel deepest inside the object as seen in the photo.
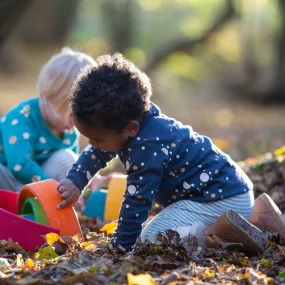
(8, 201)
(27, 233)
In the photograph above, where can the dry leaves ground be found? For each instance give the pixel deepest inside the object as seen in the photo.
(170, 260)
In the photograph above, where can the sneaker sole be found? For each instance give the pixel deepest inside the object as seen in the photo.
(252, 234)
(275, 212)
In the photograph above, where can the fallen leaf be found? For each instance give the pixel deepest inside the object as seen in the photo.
(245, 262)
(77, 238)
(245, 275)
(280, 151)
(47, 253)
(51, 238)
(88, 245)
(266, 262)
(83, 278)
(209, 273)
(141, 279)
(109, 228)
(29, 264)
(19, 260)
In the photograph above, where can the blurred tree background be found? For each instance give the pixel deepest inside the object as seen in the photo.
(218, 65)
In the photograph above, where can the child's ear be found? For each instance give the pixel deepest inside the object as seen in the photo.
(132, 129)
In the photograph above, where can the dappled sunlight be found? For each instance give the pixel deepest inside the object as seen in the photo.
(253, 6)
(137, 55)
(192, 26)
(96, 46)
(227, 44)
(217, 66)
(182, 64)
(150, 5)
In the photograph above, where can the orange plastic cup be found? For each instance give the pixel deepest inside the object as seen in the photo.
(46, 192)
(116, 190)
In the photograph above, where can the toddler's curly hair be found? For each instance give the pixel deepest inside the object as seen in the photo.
(111, 94)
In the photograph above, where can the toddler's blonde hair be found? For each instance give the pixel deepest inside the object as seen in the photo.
(57, 76)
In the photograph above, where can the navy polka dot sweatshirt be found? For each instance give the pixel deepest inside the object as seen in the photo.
(166, 162)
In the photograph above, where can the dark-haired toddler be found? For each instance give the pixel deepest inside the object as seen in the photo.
(202, 190)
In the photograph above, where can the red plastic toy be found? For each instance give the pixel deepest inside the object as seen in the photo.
(8, 201)
(28, 233)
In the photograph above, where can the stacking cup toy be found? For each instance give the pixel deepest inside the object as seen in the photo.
(26, 217)
(106, 204)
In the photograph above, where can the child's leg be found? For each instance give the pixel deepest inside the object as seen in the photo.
(211, 223)
(8, 180)
(183, 214)
(267, 216)
(59, 163)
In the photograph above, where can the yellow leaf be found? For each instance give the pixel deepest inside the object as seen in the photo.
(246, 275)
(109, 228)
(88, 245)
(29, 264)
(280, 151)
(47, 253)
(280, 158)
(141, 279)
(210, 273)
(244, 262)
(77, 238)
(51, 238)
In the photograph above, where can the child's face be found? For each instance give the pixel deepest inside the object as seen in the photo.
(105, 139)
(57, 121)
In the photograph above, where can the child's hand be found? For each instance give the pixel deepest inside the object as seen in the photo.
(69, 192)
(98, 180)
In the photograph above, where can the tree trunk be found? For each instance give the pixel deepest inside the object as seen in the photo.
(49, 22)
(187, 45)
(279, 93)
(11, 11)
(119, 23)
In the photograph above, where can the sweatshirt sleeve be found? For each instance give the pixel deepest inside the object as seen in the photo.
(145, 169)
(88, 164)
(18, 145)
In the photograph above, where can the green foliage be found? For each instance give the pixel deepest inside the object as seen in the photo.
(160, 23)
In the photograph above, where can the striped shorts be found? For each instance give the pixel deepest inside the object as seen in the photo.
(186, 213)
(56, 167)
